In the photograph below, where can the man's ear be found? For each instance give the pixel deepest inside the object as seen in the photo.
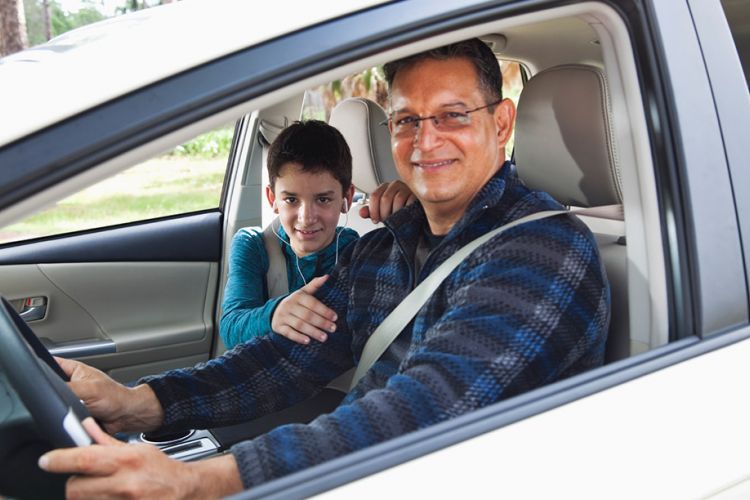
(505, 118)
(271, 197)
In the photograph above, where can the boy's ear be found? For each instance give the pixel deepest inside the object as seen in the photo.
(271, 197)
(347, 199)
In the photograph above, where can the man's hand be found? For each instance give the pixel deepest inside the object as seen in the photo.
(113, 469)
(117, 407)
(387, 199)
(301, 316)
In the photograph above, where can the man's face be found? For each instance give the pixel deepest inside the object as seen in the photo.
(446, 168)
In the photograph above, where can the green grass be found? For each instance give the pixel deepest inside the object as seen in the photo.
(213, 144)
(157, 188)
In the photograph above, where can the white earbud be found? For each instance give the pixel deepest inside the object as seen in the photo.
(346, 206)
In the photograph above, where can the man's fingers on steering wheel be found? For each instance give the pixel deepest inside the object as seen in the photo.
(89, 460)
(68, 366)
(98, 434)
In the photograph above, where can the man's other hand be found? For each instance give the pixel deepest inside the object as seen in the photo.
(113, 469)
(117, 407)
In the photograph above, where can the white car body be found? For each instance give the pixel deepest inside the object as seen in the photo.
(671, 421)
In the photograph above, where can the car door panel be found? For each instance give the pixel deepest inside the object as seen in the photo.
(130, 300)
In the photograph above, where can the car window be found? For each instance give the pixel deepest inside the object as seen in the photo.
(371, 84)
(186, 179)
(738, 17)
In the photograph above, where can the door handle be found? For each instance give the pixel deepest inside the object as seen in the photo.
(33, 309)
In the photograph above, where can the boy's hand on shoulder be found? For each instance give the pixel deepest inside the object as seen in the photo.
(301, 316)
(388, 198)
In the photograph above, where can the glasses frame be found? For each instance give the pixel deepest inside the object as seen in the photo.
(435, 118)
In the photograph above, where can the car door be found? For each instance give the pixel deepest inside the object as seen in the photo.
(133, 298)
(651, 416)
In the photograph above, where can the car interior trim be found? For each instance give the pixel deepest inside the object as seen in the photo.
(81, 348)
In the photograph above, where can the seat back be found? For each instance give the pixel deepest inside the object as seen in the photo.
(565, 146)
(361, 122)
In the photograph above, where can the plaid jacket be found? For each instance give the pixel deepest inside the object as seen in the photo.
(527, 308)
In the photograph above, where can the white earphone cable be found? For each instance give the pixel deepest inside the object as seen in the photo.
(338, 234)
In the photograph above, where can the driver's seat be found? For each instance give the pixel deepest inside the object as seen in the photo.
(565, 146)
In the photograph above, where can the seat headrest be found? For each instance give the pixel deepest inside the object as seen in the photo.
(360, 122)
(564, 140)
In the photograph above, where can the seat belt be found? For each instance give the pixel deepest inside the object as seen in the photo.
(276, 278)
(397, 320)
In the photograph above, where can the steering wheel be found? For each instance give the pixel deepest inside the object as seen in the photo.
(40, 382)
(29, 373)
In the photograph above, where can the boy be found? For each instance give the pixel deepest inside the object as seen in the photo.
(310, 175)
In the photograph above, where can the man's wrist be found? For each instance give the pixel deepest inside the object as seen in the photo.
(213, 478)
(144, 411)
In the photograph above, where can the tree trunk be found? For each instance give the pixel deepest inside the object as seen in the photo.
(12, 27)
(47, 21)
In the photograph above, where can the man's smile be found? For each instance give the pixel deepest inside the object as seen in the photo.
(432, 164)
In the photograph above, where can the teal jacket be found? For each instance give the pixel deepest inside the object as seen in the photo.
(247, 310)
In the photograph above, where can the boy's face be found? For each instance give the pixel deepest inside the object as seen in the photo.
(309, 205)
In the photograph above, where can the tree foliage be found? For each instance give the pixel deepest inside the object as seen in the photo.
(60, 20)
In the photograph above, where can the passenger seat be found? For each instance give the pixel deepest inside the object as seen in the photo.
(361, 122)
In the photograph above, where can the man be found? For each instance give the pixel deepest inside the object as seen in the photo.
(528, 308)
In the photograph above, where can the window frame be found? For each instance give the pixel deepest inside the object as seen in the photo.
(731, 97)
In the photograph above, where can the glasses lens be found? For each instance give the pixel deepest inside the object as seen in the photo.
(452, 120)
(405, 127)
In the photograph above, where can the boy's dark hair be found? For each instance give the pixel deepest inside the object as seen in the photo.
(474, 50)
(316, 146)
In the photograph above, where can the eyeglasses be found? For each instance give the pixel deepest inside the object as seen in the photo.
(446, 121)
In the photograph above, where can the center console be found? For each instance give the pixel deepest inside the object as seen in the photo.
(184, 445)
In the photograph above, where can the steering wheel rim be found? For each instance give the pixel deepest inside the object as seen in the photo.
(37, 379)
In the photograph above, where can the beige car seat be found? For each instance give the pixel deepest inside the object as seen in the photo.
(362, 123)
(564, 145)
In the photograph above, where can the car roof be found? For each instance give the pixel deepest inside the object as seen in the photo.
(96, 63)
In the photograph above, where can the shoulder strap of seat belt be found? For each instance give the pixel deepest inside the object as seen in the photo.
(395, 322)
(276, 279)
